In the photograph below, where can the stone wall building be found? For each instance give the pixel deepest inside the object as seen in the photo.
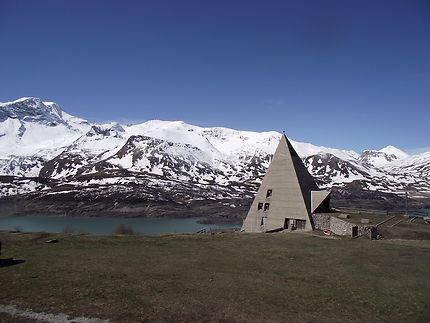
(335, 225)
(288, 195)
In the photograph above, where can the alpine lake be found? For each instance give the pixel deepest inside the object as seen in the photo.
(115, 225)
(107, 225)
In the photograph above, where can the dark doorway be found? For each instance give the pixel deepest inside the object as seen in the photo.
(373, 233)
(354, 231)
(286, 223)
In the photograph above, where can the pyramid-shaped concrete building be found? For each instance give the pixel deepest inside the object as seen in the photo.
(288, 195)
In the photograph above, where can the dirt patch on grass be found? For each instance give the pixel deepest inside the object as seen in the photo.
(22, 236)
(10, 313)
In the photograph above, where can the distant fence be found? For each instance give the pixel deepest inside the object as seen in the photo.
(420, 213)
(382, 212)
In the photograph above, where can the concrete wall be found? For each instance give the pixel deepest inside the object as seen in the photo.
(292, 187)
(288, 200)
(317, 198)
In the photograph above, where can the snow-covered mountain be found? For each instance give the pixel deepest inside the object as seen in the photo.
(382, 157)
(33, 132)
(51, 153)
(29, 126)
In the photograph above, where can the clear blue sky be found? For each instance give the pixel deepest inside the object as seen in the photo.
(345, 74)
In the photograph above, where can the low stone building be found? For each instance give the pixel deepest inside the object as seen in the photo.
(335, 224)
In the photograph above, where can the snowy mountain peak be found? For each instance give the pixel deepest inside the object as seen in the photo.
(376, 158)
(28, 99)
(107, 130)
(383, 157)
(391, 150)
(54, 107)
(32, 110)
(29, 126)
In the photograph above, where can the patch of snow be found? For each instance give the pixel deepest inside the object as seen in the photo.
(125, 162)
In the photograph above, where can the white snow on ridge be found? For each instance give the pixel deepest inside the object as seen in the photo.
(227, 143)
(173, 131)
(34, 139)
(306, 150)
(99, 139)
(34, 133)
(391, 150)
(221, 143)
(9, 132)
(411, 161)
(4, 104)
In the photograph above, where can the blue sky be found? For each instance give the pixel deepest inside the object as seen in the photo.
(345, 74)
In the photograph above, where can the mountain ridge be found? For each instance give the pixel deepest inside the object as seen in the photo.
(81, 157)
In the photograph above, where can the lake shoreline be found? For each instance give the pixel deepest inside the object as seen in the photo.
(216, 212)
(103, 225)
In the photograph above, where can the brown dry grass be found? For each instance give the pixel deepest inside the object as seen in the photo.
(245, 277)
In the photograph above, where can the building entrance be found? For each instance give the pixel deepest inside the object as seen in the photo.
(294, 224)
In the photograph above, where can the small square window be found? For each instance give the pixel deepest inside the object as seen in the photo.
(269, 193)
(260, 206)
(266, 206)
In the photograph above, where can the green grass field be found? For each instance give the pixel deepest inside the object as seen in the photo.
(241, 277)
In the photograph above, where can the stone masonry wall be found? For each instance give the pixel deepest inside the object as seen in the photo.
(340, 227)
(325, 221)
(321, 221)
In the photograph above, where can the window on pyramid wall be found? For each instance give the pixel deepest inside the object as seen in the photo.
(260, 206)
(266, 206)
(264, 220)
(300, 224)
(269, 193)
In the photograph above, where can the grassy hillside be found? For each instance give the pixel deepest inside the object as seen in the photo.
(292, 277)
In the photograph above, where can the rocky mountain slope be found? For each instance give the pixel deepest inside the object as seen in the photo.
(48, 156)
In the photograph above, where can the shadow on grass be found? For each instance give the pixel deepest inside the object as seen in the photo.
(124, 229)
(10, 262)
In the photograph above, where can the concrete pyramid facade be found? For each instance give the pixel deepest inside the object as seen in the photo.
(288, 195)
